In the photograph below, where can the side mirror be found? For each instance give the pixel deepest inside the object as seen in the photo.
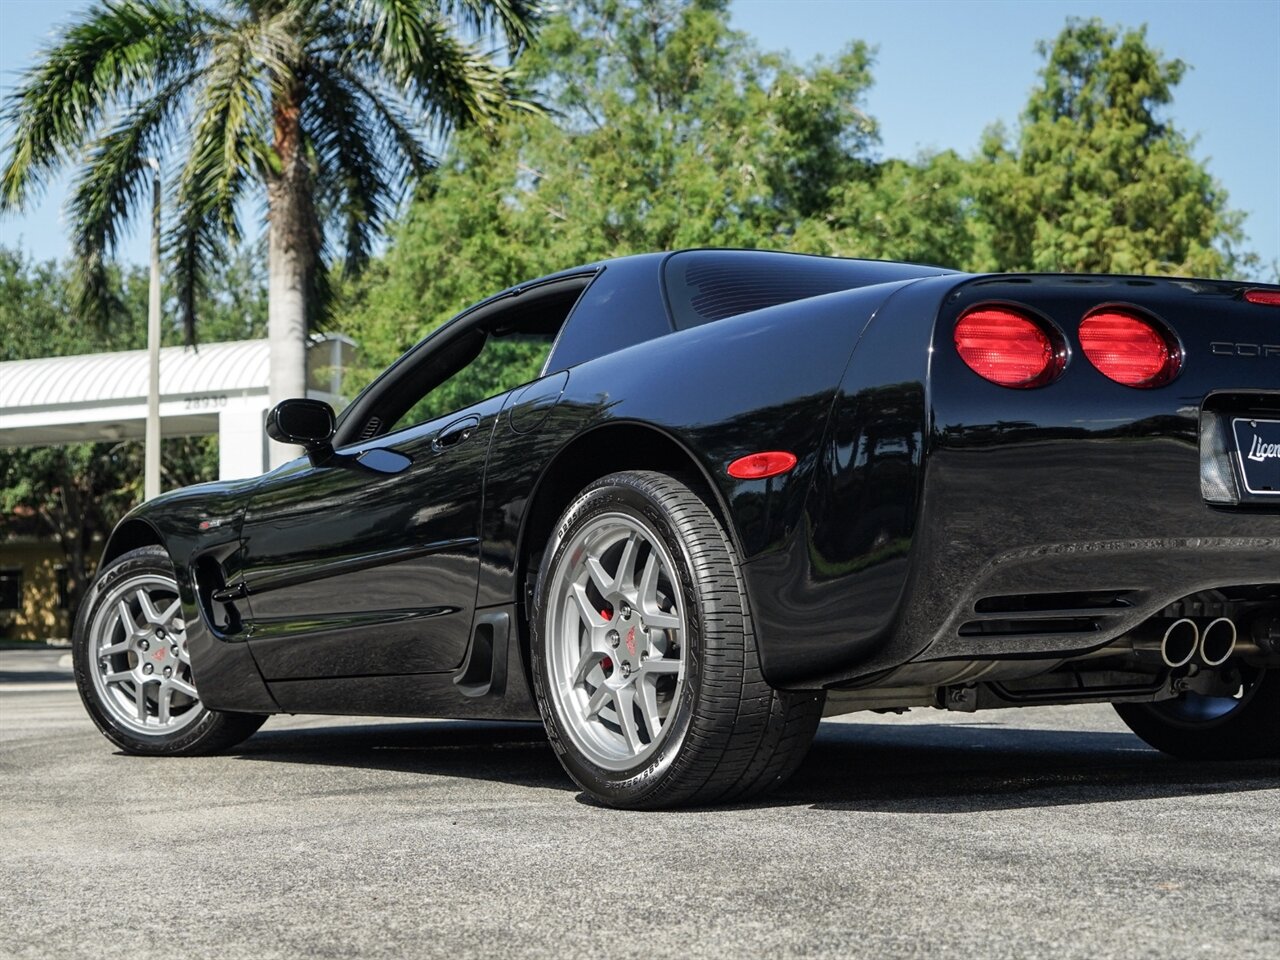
(308, 423)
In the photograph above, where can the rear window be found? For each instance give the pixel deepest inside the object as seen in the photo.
(707, 285)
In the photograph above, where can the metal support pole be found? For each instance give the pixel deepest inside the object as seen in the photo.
(151, 474)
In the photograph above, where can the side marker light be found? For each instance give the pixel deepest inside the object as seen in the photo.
(1270, 298)
(757, 466)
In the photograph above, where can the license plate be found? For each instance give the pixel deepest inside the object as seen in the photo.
(1258, 447)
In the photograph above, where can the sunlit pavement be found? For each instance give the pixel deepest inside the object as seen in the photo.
(1043, 833)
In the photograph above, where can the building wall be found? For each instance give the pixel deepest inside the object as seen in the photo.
(40, 615)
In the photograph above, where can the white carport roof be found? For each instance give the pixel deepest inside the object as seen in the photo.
(107, 377)
(103, 396)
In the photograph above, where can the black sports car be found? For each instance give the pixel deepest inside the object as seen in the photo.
(748, 489)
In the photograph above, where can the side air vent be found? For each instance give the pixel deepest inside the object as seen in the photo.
(1048, 613)
(371, 427)
(216, 599)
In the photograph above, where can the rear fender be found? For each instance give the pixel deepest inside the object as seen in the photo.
(760, 381)
(831, 596)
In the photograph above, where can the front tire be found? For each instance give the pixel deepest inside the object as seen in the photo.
(644, 657)
(1194, 727)
(129, 653)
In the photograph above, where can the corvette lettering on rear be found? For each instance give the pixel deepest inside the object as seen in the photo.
(1223, 348)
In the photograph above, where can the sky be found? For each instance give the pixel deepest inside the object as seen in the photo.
(945, 70)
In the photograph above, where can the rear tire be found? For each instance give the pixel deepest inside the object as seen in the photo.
(129, 653)
(644, 658)
(1213, 728)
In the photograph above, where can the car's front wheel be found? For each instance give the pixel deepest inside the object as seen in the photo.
(1244, 726)
(644, 656)
(129, 652)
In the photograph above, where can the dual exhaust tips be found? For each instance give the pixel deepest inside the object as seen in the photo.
(1184, 640)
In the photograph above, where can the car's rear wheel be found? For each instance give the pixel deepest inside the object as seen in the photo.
(644, 657)
(132, 666)
(1245, 726)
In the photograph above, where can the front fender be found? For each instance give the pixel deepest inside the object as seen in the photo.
(195, 523)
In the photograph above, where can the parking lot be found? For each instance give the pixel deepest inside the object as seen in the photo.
(1002, 834)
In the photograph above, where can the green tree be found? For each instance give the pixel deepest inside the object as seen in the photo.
(1099, 179)
(35, 305)
(324, 104)
(1096, 179)
(920, 211)
(666, 129)
(77, 492)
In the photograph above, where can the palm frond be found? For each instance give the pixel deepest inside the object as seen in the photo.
(228, 148)
(398, 132)
(352, 178)
(96, 300)
(518, 20)
(109, 188)
(121, 52)
(276, 41)
(451, 81)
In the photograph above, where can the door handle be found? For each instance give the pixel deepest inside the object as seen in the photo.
(455, 433)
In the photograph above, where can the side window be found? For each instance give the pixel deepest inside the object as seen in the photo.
(482, 353)
(502, 362)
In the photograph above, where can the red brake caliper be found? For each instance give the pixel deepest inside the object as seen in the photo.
(607, 663)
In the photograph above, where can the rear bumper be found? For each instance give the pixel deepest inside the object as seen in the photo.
(1026, 550)
(1117, 529)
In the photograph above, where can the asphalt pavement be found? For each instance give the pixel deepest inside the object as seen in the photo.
(1022, 833)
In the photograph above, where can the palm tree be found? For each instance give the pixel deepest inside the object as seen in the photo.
(327, 104)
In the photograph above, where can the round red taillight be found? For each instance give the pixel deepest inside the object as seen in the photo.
(1008, 347)
(1130, 348)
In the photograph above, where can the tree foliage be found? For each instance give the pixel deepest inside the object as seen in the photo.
(76, 492)
(1099, 179)
(668, 130)
(326, 103)
(1095, 179)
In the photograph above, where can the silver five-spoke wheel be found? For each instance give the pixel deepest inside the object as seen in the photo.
(616, 641)
(133, 668)
(643, 655)
(138, 657)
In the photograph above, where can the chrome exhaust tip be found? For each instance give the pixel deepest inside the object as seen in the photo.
(1180, 642)
(1218, 641)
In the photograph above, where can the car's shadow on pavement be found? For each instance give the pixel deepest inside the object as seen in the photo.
(873, 767)
(977, 766)
(516, 753)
